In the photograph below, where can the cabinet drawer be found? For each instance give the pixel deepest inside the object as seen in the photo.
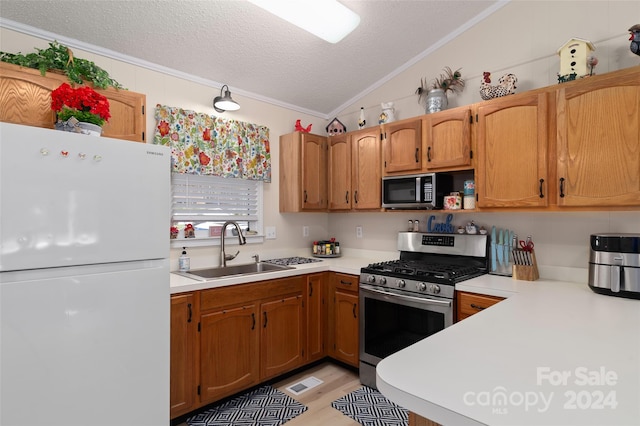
(216, 298)
(345, 282)
(472, 303)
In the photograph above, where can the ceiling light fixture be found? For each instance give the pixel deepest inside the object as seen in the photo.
(327, 19)
(225, 103)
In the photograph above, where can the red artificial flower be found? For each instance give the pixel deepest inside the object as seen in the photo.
(206, 135)
(83, 99)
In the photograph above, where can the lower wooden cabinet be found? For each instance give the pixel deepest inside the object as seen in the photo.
(227, 339)
(183, 372)
(416, 420)
(282, 336)
(344, 316)
(468, 304)
(229, 349)
(316, 316)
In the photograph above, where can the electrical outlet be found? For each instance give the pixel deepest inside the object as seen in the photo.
(305, 231)
(358, 231)
(270, 232)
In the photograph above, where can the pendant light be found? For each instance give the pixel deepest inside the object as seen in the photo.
(225, 103)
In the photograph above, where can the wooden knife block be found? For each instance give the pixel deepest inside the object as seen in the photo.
(527, 272)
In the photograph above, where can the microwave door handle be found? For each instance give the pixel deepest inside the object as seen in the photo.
(418, 197)
(443, 303)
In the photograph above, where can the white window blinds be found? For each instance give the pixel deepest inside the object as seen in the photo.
(200, 198)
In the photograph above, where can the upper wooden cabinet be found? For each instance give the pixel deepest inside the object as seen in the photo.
(598, 140)
(402, 146)
(447, 139)
(25, 96)
(355, 170)
(339, 172)
(366, 169)
(303, 172)
(512, 151)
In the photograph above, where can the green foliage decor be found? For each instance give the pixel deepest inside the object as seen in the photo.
(59, 57)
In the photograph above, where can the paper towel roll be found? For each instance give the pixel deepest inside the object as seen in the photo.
(469, 202)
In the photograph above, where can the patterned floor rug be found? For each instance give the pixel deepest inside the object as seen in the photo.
(369, 407)
(265, 406)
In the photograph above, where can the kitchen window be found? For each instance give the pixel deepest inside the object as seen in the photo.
(206, 202)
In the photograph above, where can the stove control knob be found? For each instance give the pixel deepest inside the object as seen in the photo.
(371, 279)
(400, 283)
(434, 288)
(382, 281)
(421, 286)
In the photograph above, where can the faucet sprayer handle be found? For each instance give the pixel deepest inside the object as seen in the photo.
(256, 257)
(231, 256)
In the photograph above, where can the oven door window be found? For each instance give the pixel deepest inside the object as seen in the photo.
(391, 327)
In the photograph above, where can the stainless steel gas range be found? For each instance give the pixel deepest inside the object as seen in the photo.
(406, 300)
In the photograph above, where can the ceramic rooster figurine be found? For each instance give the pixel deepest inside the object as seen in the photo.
(635, 39)
(299, 127)
(506, 86)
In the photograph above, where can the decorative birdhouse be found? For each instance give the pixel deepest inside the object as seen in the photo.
(573, 58)
(335, 127)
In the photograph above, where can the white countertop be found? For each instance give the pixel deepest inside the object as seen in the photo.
(516, 349)
(344, 264)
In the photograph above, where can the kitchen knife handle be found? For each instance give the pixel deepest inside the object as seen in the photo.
(541, 182)
(561, 187)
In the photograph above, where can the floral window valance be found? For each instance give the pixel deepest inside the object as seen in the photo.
(203, 144)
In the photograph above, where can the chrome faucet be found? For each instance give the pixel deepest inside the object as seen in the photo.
(241, 240)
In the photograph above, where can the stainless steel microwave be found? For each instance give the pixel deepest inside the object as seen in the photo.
(423, 191)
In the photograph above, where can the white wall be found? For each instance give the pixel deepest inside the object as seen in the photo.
(521, 38)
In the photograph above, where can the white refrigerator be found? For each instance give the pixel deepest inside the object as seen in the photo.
(84, 279)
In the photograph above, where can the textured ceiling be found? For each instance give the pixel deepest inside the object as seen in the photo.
(255, 53)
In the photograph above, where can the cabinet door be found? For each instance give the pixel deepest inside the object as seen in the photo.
(316, 315)
(314, 172)
(512, 152)
(26, 99)
(448, 139)
(402, 146)
(128, 120)
(339, 166)
(282, 336)
(183, 334)
(598, 140)
(366, 161)
(346, 327)
(229, 352)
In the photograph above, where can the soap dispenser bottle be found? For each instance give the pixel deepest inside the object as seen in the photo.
(184, 263)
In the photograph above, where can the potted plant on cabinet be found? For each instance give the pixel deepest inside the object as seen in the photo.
(81, 110)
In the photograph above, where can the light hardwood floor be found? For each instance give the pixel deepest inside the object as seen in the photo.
(337, 382)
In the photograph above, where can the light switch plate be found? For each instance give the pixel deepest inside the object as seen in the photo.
(358, 231)
(305, 231)
(270, 232)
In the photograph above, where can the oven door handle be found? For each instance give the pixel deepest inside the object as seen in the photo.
(443, 303)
